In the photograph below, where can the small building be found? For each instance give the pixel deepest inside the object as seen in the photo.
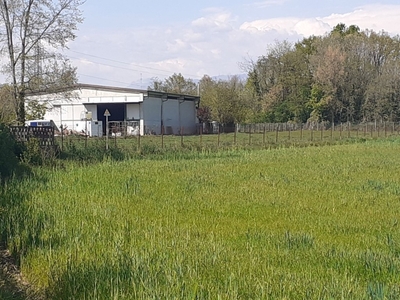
(138, 111)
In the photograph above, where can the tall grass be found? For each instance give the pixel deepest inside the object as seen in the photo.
(291, 223)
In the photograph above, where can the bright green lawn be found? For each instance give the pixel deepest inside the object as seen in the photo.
(294, 223)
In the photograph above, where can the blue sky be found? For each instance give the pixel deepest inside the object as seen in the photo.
(127, 42)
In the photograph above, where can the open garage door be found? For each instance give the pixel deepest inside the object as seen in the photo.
(117, 111)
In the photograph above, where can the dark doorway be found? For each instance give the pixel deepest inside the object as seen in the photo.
(117, 111)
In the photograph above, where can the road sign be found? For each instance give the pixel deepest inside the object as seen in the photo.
(107, 113)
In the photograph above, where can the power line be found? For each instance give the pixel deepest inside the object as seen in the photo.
(117, 61)
(122, 68)
(125, 63)
(95, 77)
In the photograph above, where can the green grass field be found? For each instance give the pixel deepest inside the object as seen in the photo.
(227, 141)
(288, 223)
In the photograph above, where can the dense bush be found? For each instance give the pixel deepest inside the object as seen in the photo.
(9, 151)
(35, 155)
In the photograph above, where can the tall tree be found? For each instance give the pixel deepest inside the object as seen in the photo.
(31, 32)
(328, 65)
(225, 98)
(176, 84)
(7, 110)
(345, 75)
(281, 81)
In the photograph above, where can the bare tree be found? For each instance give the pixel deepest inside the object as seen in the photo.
(31, 31)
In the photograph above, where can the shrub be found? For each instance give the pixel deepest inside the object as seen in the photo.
(8, 149)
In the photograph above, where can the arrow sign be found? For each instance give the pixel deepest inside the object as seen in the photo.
(107, 113)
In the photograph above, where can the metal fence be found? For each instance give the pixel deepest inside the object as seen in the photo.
(214, 136)
(45, 134)
(124, 129)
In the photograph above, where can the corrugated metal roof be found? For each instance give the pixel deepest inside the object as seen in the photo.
(147, 93)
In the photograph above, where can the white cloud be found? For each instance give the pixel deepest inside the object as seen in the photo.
(268, 3)
(375, 17)
(214, 44)
(219, 21)
(281, 25)
(310, 27)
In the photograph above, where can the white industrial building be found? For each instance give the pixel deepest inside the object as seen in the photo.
(146, 112)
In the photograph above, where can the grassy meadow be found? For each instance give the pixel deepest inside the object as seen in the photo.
(288, 223)
(251, 140)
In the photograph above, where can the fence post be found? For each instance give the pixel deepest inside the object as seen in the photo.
(138, 145)
(201, 135)
(219, 131)
(250, 134)
(162, 136)
(264, 135)
(385, 129)
(234, 134)
(301, 131)
(181, 134)
(62, 138)
(322, 132)
(277, 134)
(348, 129)
(378, 130)
(290, 131)
(312, 133)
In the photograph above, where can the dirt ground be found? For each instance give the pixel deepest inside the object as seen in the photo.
(12, 284)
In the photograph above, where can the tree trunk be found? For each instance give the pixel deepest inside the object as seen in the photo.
(21, 108)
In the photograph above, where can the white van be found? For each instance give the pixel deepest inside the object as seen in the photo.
(41, 123)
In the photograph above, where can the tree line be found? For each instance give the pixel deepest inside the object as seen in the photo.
(344, 75)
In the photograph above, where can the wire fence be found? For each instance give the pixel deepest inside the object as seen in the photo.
(217, 136)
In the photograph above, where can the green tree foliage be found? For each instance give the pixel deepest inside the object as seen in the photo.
(35, 110)
(30, 32)
(281, 82)
(8, 157)
(176, 84)
(7, 105)
(204, 114)
(225, 98)
(345, 75)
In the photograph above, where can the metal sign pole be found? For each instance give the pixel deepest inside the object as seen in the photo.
(107, 114)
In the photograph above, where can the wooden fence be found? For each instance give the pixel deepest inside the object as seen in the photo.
(45, 134)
